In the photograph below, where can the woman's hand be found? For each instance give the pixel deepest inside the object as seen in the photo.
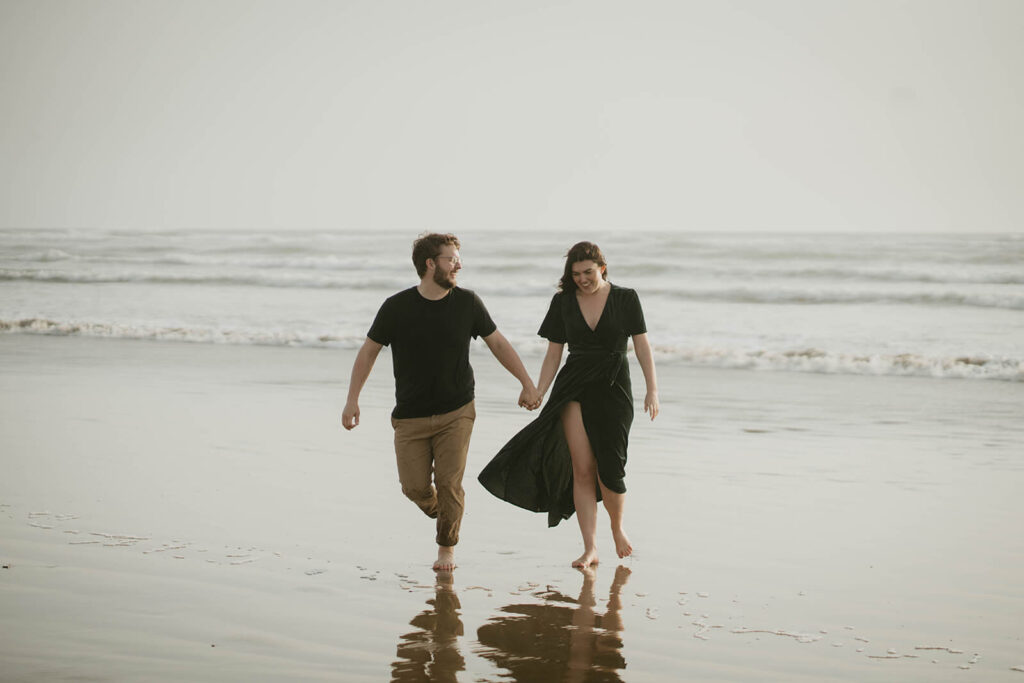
(651, 404)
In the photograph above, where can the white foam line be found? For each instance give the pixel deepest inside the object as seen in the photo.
(800, 637)
(120, 537)
(164, 549)
(813, 360)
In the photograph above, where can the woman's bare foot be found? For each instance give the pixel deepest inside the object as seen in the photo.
(586, 559)
(622, 573)
(613, 614)
(445, 558)
(622, 545)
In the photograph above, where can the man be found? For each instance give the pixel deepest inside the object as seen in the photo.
(429, 328)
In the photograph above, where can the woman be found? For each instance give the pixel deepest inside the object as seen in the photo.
(574, 453)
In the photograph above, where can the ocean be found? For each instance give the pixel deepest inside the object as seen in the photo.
(943, 306)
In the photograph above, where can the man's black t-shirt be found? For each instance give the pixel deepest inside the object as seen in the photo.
(430, 348)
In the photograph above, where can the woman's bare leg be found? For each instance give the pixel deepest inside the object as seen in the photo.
(584, 479)
(614, 503)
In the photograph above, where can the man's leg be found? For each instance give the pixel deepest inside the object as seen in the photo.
(451, 446)
(414, 455)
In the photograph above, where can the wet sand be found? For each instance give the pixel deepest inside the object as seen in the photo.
(195, 512)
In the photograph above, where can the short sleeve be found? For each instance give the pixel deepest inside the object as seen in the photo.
(382, 329)
(483, 326)
(633, 314)
(553, 327)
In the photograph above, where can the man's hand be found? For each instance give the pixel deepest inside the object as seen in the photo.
(360, 371)
(530, 398)
(350, 416)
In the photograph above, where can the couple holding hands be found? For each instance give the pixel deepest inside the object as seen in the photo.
(564, 461)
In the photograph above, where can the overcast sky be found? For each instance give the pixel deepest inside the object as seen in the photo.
(758, 115)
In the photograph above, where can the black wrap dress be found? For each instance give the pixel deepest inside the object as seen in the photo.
(534, 470)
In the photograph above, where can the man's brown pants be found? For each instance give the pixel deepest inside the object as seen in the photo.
(436, 445)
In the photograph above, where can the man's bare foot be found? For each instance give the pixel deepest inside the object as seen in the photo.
(445, 558)
(622, 545)
(586, 559)
(444, 579)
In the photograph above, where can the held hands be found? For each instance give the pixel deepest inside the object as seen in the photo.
(350, 416)
(530, 398)
(651, 404)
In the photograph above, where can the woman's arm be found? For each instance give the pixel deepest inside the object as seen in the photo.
(642, 348)
(552, 359)
(506, 354)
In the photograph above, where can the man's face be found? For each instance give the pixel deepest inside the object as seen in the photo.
(447, 265)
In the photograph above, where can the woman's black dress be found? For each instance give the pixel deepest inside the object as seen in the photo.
(534, 470)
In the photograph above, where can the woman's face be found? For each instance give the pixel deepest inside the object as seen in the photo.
(588, 276)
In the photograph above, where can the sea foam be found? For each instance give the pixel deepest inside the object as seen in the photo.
(795, 360)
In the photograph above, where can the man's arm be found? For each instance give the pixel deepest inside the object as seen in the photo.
(365, 359)
(530, 398)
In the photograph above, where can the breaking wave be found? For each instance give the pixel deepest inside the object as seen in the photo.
(355, 280)
(799, 360)
(826, 362)
(251, 279)
(1003, 300)
(202, 335)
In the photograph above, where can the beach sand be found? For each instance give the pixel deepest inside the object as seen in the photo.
(174, 511)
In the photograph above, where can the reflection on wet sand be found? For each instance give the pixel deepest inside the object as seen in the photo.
(558, 642)
(432, 652)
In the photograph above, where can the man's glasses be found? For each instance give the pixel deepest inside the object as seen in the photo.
(456, 260)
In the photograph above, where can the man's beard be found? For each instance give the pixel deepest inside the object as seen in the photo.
(441, 279)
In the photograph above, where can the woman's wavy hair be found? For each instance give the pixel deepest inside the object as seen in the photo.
(428, 246)
(581, 251)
